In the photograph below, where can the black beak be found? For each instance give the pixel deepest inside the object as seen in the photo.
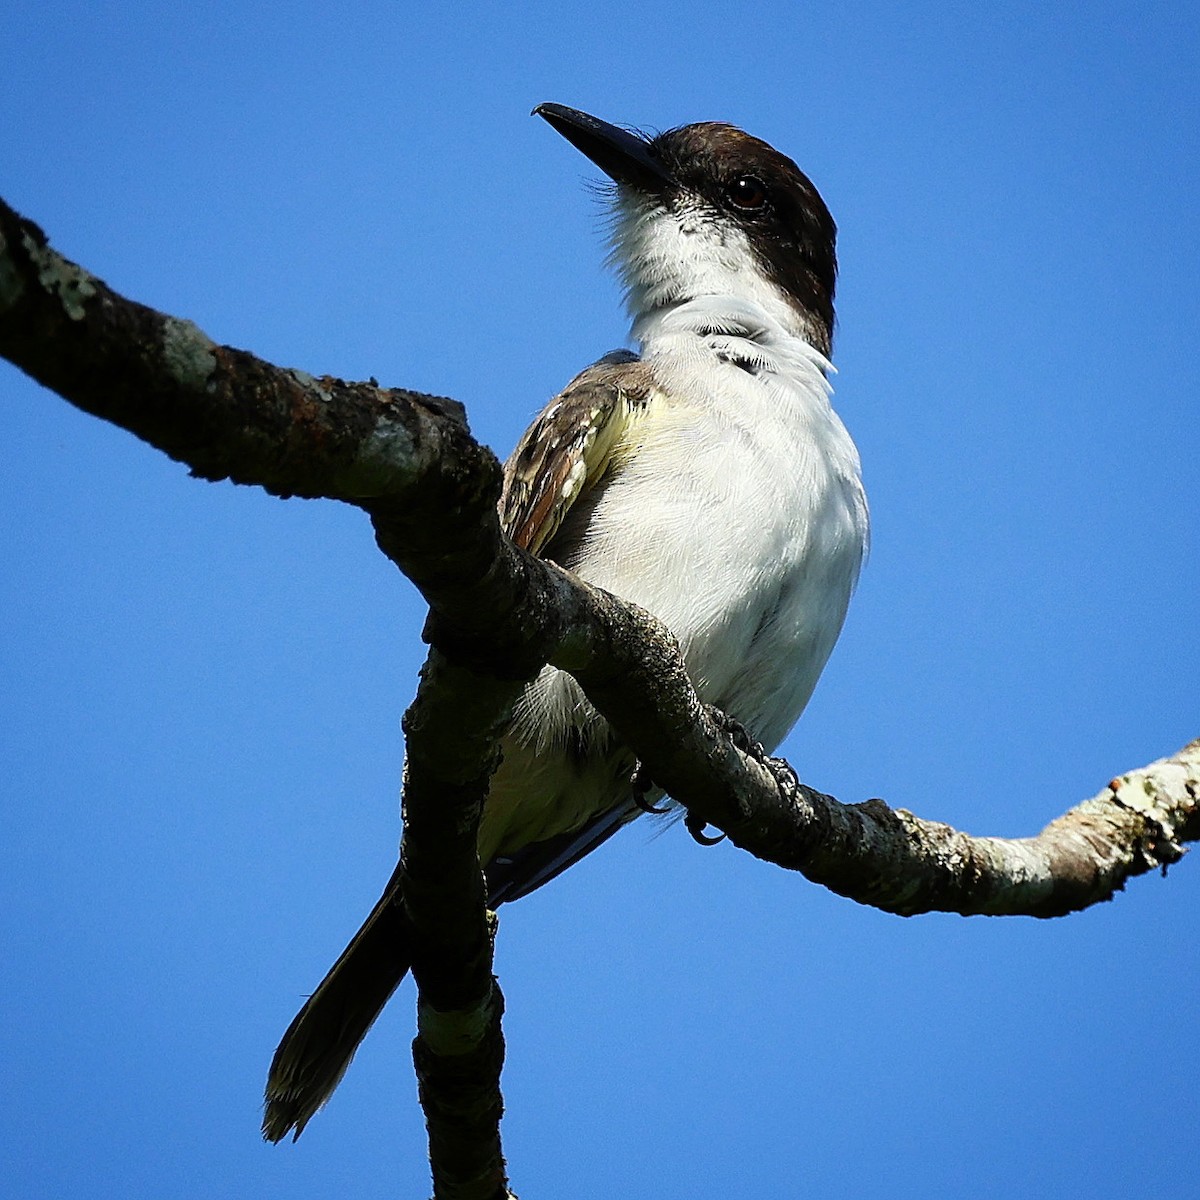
(621, 155)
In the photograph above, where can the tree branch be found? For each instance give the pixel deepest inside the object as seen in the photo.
(496, 616)
(451, 735)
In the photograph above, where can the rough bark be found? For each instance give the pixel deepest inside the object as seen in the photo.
(451, 732)
(496, 615)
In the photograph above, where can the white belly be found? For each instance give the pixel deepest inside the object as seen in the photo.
(740, 522)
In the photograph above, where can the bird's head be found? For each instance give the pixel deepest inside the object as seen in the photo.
(707, 209)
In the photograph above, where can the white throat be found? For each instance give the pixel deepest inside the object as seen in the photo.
(669, 258)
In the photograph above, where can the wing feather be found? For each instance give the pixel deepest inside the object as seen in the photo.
(578, 438)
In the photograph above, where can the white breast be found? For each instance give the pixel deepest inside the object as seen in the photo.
(740, 520)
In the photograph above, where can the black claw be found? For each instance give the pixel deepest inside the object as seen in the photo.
(781, 770)
(784, 774)
(641, 783)
(695, 826)
(647, 807)
(738, 734)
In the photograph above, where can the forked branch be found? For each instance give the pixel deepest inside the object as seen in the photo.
(497, 615)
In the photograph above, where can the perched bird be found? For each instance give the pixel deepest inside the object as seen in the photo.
(704, 477)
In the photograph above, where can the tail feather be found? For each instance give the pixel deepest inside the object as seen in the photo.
(317, 1048)
(319, 1044)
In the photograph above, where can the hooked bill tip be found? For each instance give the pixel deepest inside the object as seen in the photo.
(624, 156)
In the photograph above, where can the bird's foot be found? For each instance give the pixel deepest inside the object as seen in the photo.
(696, 827)
(642, 784)
(738, 734)
(784, 774)
(786, 779)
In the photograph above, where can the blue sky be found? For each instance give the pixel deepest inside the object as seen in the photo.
(199, 728)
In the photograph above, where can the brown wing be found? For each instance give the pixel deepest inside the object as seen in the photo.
(578, 438)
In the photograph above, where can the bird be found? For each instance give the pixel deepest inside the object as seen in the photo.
(704, 476)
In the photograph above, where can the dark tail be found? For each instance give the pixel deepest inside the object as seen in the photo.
(321, 1041)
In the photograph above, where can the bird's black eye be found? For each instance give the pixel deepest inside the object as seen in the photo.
(748, 193)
